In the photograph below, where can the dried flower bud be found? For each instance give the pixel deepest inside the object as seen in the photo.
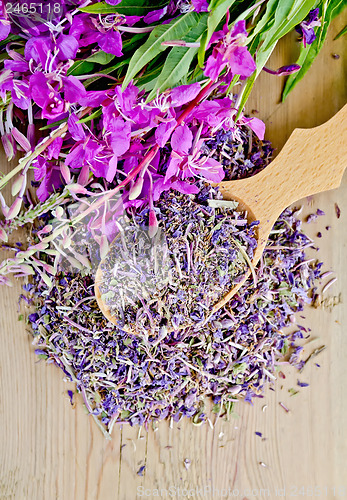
(59, 213)
(49, 269)
(26, 269)
(17, 184)
(84, 175)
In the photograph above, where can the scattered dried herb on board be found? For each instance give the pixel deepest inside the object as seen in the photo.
(124, 378)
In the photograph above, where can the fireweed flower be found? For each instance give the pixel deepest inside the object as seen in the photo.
(47, 170)
(230, 52)
(5, 24)
(188, 161)
(306, 28)
(221, 113)
(105, 33)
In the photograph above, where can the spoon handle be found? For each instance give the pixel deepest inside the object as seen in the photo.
(311, 161)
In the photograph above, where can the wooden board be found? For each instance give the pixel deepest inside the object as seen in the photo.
(50, 451)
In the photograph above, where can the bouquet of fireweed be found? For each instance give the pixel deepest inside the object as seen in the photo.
(122, 116)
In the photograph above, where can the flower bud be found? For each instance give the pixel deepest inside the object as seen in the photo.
(14, 209)
(136, 189)
(65, 172)
(153, 224)
(21, 139)
(3, 235)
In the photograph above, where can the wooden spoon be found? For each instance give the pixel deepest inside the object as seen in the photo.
(311, 161)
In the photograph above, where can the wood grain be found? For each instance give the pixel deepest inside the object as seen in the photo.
(50, 451)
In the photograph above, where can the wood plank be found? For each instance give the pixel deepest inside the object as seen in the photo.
(51, 451)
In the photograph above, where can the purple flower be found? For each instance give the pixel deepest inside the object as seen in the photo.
(119, 131)
(200, 5)
(182, 186)
(49, 175)
(184, 93)
(306, 28)
(46, 96)
(187, 160)
(87, 31)
(283, 70)
(156, 15)
(220, 113)
(38, 48)
(68, 46)
(163, 132)
(5, 25)
(230, 53)
(75, 129)
(111, 42)
(74, 90)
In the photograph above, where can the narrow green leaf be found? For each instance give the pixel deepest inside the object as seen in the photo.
(127, 7)
(178, 61)
(331, 9)
(91, 117)
(176, 66)
(80, 68)
(218, 11)
(267, 18)
(175, 30)
(287, 15)
(106, 71)
(100, 57)
(51, 125)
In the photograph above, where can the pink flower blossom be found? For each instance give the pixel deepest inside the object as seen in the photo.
(188, 161)
(230, 52)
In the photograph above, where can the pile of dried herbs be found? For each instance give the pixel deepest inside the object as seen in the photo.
(175, 278)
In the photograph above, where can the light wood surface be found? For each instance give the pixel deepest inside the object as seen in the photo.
(50, 451)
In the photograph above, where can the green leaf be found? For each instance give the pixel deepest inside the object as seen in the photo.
(281, 16)
(218, 11)
(177, 29)
(106, 71)
(331, 8)
(341, 33)
(267, 18)
(91, 117)
(287, 16)
(127, 7)
(80, 68)
(178, 61)
(100, 57)
(176, 66)
(51, 125)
